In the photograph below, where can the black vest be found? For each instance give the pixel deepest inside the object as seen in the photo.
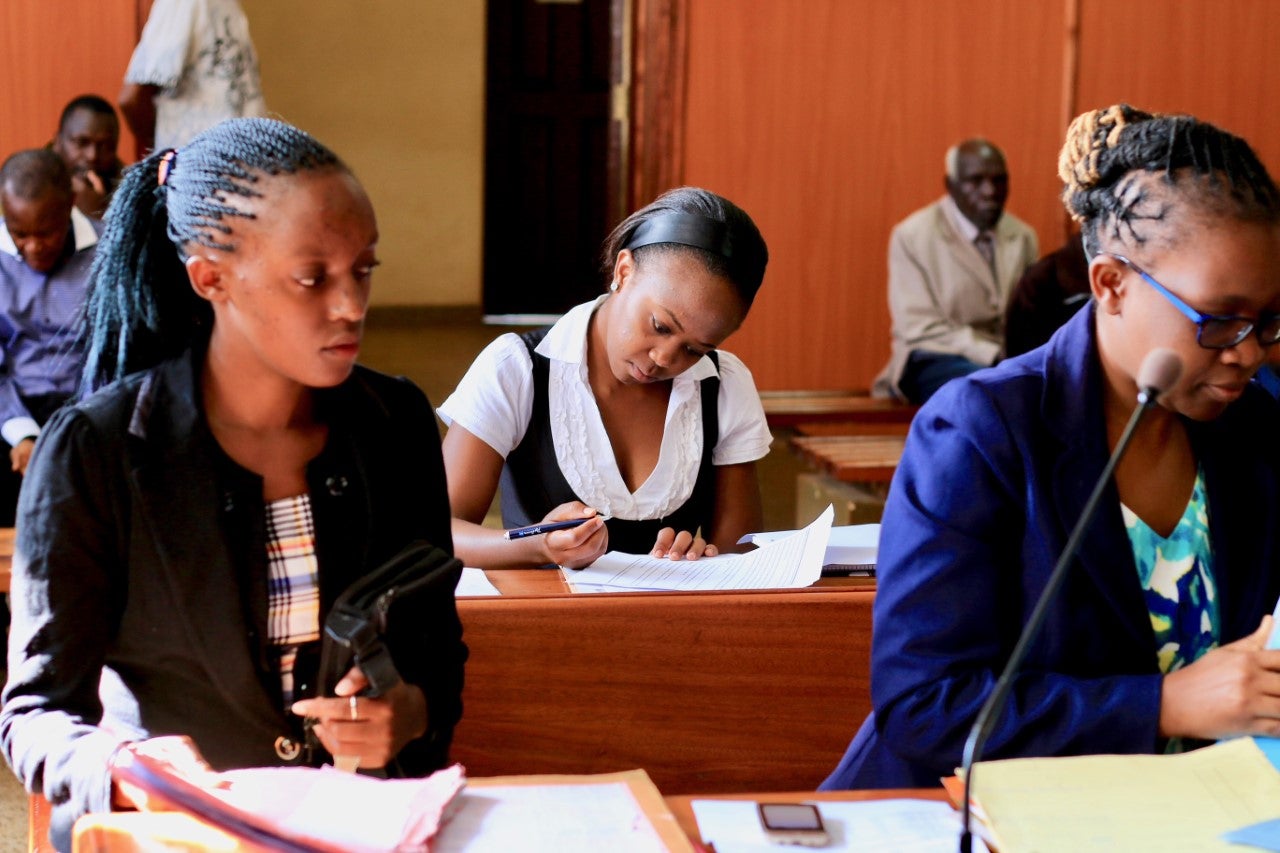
(532, 483)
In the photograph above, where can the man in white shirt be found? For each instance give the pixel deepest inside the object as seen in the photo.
(193, 67)
(952, 266)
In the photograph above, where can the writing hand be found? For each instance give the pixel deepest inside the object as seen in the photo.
(578, 546)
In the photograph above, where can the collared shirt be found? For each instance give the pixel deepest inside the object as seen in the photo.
(494, 402)
(958, 221)
(40, 352)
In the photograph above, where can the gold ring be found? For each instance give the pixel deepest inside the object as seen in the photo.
(352, 705)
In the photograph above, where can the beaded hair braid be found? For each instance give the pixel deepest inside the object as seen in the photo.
(140, 308)
(1109, 155)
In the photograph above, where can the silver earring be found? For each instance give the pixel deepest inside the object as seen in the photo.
(613, 288)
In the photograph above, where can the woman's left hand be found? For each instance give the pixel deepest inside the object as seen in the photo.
(682, 545)
(373, 730)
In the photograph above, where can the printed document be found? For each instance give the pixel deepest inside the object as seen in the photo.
(793, 561)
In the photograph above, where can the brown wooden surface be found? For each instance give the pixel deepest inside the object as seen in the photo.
(829, 127)
(708, 691)
(7, 535)
(659, 63)
(682, 806)
(53, 50)
(850, 428)
(550, 582)
(853, 458)
(38, 825)
(790, 408)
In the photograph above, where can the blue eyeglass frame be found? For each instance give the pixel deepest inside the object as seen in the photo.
(1252, 325)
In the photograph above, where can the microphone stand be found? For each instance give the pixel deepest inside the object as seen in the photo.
(987, 715)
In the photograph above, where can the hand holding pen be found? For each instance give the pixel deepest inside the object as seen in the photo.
(573, 535)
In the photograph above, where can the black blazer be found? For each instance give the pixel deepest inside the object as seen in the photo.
(140, 579)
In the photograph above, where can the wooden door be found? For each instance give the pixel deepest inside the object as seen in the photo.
(552, 160)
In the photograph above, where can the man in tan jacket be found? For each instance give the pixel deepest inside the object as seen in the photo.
(952, 266)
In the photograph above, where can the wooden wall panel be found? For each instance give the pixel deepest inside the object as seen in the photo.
(828, 120)
(53, 50)
(1215, 59)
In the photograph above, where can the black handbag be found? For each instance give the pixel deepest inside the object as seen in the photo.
(356, 627)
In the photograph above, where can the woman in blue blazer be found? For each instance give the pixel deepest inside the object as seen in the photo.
(1155, 641)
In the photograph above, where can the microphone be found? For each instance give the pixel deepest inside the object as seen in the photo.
(1157, 374)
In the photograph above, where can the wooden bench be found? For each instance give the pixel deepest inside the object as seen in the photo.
(853, 458)
(791, 408)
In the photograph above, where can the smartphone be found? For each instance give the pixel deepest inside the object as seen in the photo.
(793, 823)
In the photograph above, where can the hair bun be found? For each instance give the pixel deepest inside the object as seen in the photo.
(1089, 136)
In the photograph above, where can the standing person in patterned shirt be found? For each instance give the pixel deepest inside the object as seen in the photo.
(193, 67)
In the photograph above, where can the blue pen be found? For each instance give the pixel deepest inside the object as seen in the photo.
(546, 527)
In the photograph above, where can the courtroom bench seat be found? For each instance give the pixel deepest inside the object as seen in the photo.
(786, 409)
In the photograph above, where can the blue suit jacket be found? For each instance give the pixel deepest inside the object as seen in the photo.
(997, 469)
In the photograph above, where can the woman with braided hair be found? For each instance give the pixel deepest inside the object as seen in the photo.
(1156, 638)
(185, 526)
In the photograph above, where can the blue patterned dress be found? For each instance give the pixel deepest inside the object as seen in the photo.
(1177, 581)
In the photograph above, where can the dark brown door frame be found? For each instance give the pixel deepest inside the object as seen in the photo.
(660, 67)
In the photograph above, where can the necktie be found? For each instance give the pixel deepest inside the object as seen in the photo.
(986, 247)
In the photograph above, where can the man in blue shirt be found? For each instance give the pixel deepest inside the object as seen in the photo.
(46, 249)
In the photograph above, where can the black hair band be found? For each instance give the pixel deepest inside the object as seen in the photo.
(687, 229)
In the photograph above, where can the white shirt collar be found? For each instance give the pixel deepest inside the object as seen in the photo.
(961, 224)
(82, 232)
(567, 341)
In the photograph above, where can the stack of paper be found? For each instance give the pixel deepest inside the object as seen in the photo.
(851, 547)
(792, 561)
(297, 807)
(617, 812)
(1166, 803)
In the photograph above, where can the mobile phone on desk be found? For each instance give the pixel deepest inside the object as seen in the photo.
(849, 570)
(793, 824)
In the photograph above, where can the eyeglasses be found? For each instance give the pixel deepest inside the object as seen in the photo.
(1215, 331)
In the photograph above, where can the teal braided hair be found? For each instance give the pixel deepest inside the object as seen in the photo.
(141, 309)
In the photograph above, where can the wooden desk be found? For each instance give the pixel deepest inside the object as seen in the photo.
(7, 536)
(682, 806)
(853, 458)
(788, 408)
(708, 691)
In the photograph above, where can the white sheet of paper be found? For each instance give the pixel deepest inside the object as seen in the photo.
(1273, 642)
(793, 561)
(548, 819)
(872, 826)
(474, 582)
(850, 544)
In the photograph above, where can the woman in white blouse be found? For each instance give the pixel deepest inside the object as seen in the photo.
(624, 412)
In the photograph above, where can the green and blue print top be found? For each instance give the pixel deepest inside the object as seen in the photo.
(1177, 579)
